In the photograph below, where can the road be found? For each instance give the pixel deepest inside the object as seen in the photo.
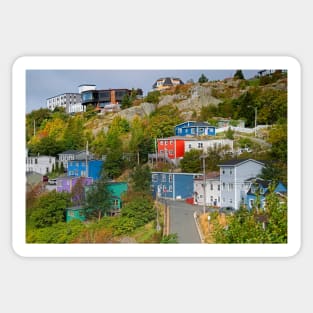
(182, 221)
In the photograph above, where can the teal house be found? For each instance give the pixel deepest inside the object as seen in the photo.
(75, 213)
(117, 189)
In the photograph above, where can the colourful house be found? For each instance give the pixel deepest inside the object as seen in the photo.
(75, 213)
(259, 189)
(171, 147)
(117, 189)
(173, 185)
(67, 183)
(192, 128)
(79, 168)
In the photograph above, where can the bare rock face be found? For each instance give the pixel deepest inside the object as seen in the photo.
(145, 109)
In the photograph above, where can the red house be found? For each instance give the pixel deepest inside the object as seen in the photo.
(171, 147)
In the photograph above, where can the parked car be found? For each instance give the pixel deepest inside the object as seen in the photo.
(45, 179)
(227, 210)
(52, 181)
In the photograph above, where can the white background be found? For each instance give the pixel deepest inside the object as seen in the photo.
(155, 28)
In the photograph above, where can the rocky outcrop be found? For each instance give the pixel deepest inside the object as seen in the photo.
(145, 109)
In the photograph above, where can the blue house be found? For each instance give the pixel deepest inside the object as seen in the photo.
(192, 128)
(78, 168)
(258, 191)
(172, 185)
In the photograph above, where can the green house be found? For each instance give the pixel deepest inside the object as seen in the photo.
(117, 189)
(75, 213)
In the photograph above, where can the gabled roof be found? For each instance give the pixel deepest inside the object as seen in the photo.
(237, 162)
(71, 152)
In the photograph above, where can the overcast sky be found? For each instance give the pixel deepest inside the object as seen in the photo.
(43, 84)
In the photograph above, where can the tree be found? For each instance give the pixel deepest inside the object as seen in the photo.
(278, 139)
(202, 79)
(191, 162)
(239, 75)
(229, 133)
(98, 198)
(78, 192)
(255, 226)
(74, 134)
(141, 178)
(153, 97)
(114, 163)
(50, 209)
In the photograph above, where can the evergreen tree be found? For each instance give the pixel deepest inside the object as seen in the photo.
(202, 79)
(239, 75)
(98, 198)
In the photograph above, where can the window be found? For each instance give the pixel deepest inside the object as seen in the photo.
(161, 142)
(251, 203)
(163, 178)
(70, 213)
(189, 146)
(36, 161)
(170, 178)
(170, 188)
(161, 151)
(200, 145)
(223, 186)
(230, 201)
(154, 177)
(211, 199)
(211, 186)
(171, 152)
(193, 130)
(218, 187)
(230, 187)
(223, 171)
(115, 202)
(166, 142)
(171, 142)
(230, 171)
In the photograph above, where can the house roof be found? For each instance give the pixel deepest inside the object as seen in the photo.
(75, 208)
(71, 152)
(236, 162)
(173, 138)
(263, 182)
(194, 123)
(210, 175)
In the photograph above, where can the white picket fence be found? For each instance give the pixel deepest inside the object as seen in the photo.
(241, 129)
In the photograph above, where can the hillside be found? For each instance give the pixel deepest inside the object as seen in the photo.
(133, 130)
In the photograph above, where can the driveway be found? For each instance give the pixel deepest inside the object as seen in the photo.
(182, 221)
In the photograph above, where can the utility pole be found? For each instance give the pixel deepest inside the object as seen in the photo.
(255, 118)
(203, 156)
(87, 153)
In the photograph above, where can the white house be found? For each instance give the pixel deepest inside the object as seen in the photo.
(233, 179)
(212, 189)
(193, 143)
(40, 164)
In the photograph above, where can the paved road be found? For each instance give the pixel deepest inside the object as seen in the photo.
(182, 221)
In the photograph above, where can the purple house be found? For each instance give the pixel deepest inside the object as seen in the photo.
(67, 183)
